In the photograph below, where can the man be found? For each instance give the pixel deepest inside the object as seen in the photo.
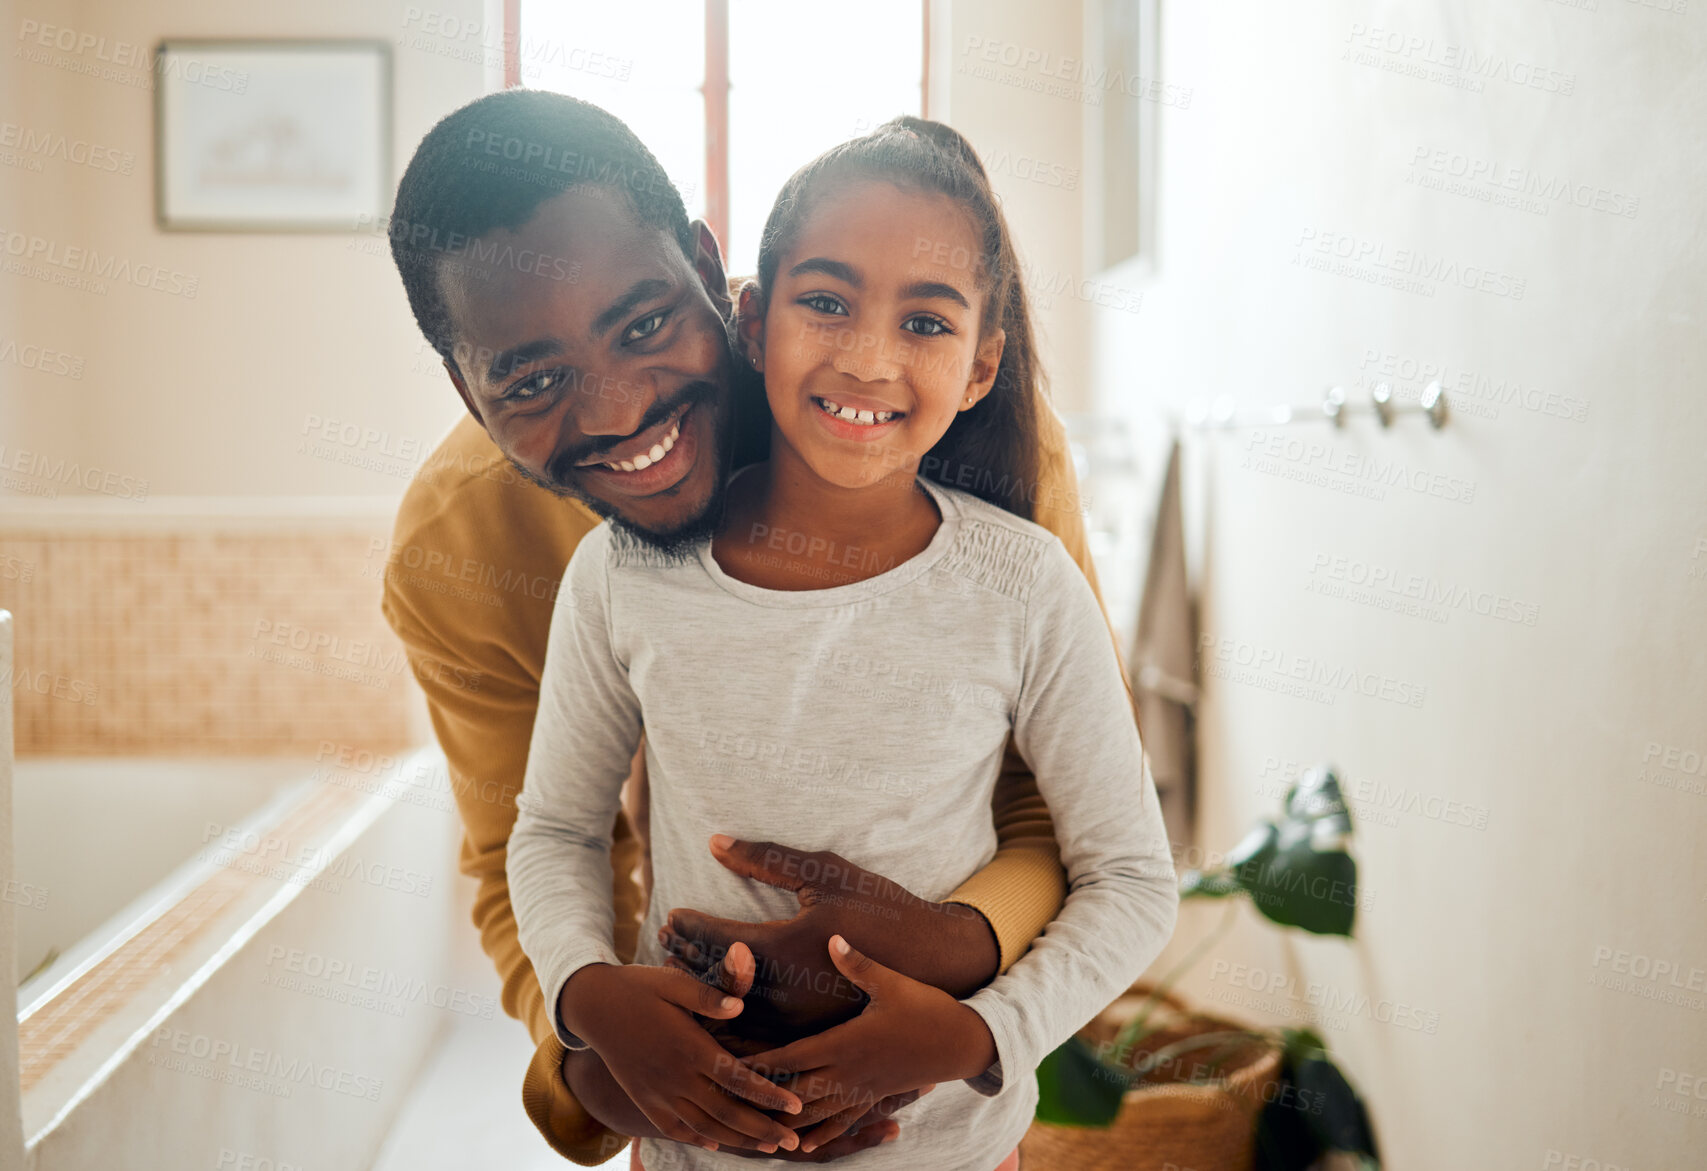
(583, 321)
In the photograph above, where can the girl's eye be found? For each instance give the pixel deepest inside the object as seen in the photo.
(533, 387)
(823, 303)
(646, 326)
(926, 326)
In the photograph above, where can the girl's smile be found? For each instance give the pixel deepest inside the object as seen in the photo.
(856, 417)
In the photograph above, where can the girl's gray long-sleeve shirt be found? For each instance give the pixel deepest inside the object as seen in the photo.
(868, 719)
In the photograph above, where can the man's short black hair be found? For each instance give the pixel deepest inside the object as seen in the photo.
(489, 165)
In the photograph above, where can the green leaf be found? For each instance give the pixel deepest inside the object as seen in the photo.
(1074, 1088)
(1297, 871)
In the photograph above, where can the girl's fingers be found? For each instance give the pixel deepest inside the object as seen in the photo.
(806, 1053)
(862, 971)
(733, 1075)
(735, 974)
(715, 1133)
(751, 1128)
(683, 990)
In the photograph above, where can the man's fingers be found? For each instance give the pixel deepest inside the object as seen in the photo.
(821, 1103)
(867, 1136)
(779, 866)
(818, 1110)
(702, 939)
(694, 956)
(671, 1126)
(832, 1127)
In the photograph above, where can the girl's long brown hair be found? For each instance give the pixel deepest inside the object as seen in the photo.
(993, 449)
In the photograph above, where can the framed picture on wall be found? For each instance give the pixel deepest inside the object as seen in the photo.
(272, 136)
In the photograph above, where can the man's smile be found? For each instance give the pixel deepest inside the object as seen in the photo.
(647, 448)
(653, 461)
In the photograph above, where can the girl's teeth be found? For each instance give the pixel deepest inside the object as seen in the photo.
(867, 418)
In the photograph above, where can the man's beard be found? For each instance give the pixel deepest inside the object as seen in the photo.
(678, 541)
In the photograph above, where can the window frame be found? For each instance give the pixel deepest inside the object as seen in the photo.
(714, 94)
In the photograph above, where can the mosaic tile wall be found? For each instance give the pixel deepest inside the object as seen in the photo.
(202, 643)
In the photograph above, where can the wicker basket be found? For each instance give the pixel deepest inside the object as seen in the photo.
(1162, 1126)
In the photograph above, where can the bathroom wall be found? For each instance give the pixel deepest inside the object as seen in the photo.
(1499, 631)
(203, 627)
(212, 474)
(295, 367)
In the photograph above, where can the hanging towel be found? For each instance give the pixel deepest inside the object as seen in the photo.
(1164, 673)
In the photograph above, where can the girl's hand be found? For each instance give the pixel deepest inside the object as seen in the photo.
(641, 1021)
(909, 1037)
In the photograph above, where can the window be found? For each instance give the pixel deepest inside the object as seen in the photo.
(732, 96)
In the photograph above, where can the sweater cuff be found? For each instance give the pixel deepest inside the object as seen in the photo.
(560, 1119)
(1020, 892)
(555, 975)
(998, 1016)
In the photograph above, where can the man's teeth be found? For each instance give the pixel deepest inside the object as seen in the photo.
(868, 418)
(647, 458)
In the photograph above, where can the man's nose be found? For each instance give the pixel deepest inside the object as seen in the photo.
(610, 402)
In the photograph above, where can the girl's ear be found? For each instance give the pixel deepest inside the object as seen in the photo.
(750, 326)
(985, 364)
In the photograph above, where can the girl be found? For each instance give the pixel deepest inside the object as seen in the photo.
(875, 616)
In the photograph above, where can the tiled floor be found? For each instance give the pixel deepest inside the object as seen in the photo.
(465, 1113)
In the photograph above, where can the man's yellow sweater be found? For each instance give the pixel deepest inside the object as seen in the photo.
(470, 579)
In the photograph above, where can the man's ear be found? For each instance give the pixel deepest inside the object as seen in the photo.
(708, 263)
(750, 328)
(985, 365)
(462, 390)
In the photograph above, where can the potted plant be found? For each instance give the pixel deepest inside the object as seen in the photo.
(1154, 1084)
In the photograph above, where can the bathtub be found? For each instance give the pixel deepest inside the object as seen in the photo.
(255, 957)
(97, 834)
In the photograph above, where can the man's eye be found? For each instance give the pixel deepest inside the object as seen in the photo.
(532, 387)
(646, 326)
(926, 326)
(823, 303)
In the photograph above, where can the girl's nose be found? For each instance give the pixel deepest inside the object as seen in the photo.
(867, 366)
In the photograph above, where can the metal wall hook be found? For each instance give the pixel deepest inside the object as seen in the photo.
(1335, 406)
(1381, 399)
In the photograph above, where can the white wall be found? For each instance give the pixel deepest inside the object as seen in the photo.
(991, 77)
(1495, 938)
(212, 395)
